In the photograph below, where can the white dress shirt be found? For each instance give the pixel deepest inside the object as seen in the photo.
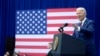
(82, 23)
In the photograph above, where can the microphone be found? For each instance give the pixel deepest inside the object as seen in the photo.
(61, 28)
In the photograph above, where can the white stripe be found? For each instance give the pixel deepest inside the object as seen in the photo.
(32, 50)
(46, 36)
(62, 21)
(23, 43)
(50, 14)
(33, 37)
(56, 28)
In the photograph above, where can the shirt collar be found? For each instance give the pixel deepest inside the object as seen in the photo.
(83, 21)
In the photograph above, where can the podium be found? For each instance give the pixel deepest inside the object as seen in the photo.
(66, 45)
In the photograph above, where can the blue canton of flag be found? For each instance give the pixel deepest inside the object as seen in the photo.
(31, 22)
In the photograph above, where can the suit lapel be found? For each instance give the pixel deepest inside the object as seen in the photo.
(85, 23)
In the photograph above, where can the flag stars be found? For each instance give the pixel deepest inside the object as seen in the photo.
(35, 24)
(17, 32)
(20, 20)
(20, 29)
(41, 19)
(23, 22)
(38, 11)
(38, 16)
(28, 17)
(44, 32)
(41, 29)
(44, 16)
(20, 24)
(22, 32)
(41, 14)
(33, 12)
(27, 22)
(33, 17)
(38, 27)
(44, 21)
(41, 24)
(38, 22)
(28, 12)
(35, 29)
(17, 27)
(33, 32)
(27, 32)
(38, 32)
(17, 12)
(20, 14)
(27, 27)
(17, 17)
(17, 22)
(31, 22)
(23, 12)
(44, 11)
(23, 17)
(30, 29)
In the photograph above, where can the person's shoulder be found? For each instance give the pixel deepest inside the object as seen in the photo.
(90, 21)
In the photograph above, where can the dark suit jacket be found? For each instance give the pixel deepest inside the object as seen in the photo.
(86, 34)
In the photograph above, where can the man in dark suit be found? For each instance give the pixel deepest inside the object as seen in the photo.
(84, 31)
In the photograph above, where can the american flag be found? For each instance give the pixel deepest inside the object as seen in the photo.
(35, 28)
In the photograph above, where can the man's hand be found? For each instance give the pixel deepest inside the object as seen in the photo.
(75, 26)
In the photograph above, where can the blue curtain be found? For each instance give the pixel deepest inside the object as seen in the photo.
(9, 7)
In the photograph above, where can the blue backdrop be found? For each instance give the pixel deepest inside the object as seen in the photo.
(9, 7)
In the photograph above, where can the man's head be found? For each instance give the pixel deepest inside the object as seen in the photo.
(81, 13)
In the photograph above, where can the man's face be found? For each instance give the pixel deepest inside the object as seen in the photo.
(80, 14)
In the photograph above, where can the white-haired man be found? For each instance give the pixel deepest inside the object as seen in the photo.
(85, 31)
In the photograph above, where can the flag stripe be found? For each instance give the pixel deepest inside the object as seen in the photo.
(33, 54)
(58, 25)
(61, 17)
(32, 43)
(56, 29)
(35, 40)
(61, 10)
(32, 50)
(32, 47)
(62, 21)
(50, 14)
(50, 32)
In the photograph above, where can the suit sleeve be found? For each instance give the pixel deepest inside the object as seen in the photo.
(73, 34)
(89, 29)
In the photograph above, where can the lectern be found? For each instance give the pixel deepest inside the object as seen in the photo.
(66, 45)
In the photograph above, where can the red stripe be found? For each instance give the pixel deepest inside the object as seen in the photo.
(56, 32)
(32, 47)
(35, 40)
(58, 25)
(61, 17)
(61, 10)
(33, 54)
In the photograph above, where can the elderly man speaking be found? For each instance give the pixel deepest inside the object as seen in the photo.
(85, 31)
